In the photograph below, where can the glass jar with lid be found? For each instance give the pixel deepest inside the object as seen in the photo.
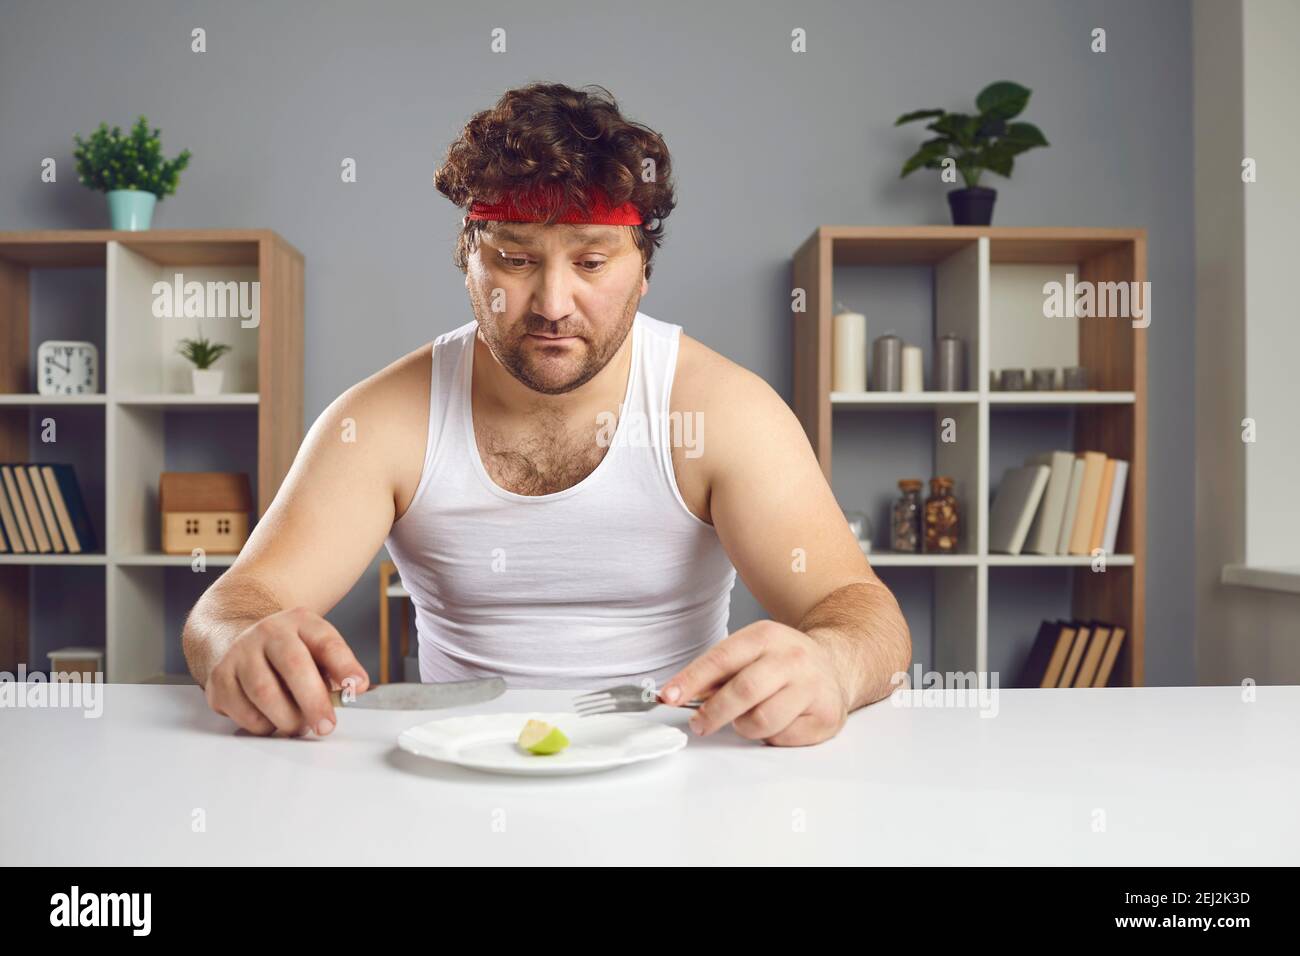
(905, 528)
(942, 518)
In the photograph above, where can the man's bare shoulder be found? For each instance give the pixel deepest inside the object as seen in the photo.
(708, 381)
(390, 407)
(741, 420)
(399, 377)
(394, 398)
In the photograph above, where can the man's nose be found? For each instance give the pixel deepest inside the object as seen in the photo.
(553, 294)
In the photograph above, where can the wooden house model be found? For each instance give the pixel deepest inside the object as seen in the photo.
(204, 509)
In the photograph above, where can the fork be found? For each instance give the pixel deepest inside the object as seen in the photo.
(626, 698)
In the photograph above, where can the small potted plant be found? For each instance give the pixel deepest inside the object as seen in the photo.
(973, 143)
(203, 353)
(130, 169)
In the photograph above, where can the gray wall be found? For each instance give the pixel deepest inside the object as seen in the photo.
(1240, 632)
(767, 145)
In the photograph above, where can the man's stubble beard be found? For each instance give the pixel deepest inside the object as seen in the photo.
(515, 357)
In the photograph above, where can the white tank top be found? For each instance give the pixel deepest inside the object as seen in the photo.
(610, 581)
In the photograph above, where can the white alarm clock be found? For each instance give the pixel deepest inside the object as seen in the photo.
(67, 368)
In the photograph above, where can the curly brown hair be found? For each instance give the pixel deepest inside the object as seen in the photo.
(553, 136)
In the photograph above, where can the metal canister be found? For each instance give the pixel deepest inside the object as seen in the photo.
(887, 364)
(950, 364)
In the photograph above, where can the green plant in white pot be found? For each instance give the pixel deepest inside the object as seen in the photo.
(130, 169)
(203, 353)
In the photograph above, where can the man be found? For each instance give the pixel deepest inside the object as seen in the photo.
(567, 485)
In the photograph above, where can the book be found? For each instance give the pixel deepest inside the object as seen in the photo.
(1014, 506)
(46, 509)
(69, 509)
(1040, 655)
(1071, 507)
(17, 509)
(1072, 654)
(1107, 666)
(1081, 636)
(1098, 532)
(1092, 657)
(1116, 505)
(1045, 532)
(1094, 462)
(43, 545)
(9, 522)
(1066, 632)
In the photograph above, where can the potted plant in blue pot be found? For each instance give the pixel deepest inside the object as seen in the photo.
(130, 169)
(970, 144)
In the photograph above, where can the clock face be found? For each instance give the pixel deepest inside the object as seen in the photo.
(67, 368)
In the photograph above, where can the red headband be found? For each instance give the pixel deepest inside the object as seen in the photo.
(530, 206)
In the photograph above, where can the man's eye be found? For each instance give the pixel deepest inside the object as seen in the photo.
(518, 262)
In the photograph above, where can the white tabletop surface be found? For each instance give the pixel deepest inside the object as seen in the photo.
(1106, 776)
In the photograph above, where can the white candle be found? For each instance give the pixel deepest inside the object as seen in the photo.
(849, 352)
(912, 368)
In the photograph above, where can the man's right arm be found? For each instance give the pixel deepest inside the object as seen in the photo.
(228, 608)
(257, 640)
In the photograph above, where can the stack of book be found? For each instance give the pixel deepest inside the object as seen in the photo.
(41, 511)
(1059, 502)
(1073, 654)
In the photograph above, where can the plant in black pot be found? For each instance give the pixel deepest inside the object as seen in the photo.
(969, 144)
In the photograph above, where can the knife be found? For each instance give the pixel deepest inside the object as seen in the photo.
(412, 696)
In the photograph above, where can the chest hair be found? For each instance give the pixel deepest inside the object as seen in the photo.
(541, 459)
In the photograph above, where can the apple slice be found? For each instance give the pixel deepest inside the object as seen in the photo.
(539, 737)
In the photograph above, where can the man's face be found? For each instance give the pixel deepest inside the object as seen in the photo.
(581, 282)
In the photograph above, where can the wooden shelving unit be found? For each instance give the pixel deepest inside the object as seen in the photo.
(144, 421)
(984, 286)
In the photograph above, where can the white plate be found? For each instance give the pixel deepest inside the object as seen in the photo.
(488, 742)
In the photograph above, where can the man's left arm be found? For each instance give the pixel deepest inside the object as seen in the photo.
(836, 636)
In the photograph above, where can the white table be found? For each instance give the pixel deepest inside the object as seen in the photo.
(1182, 776)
